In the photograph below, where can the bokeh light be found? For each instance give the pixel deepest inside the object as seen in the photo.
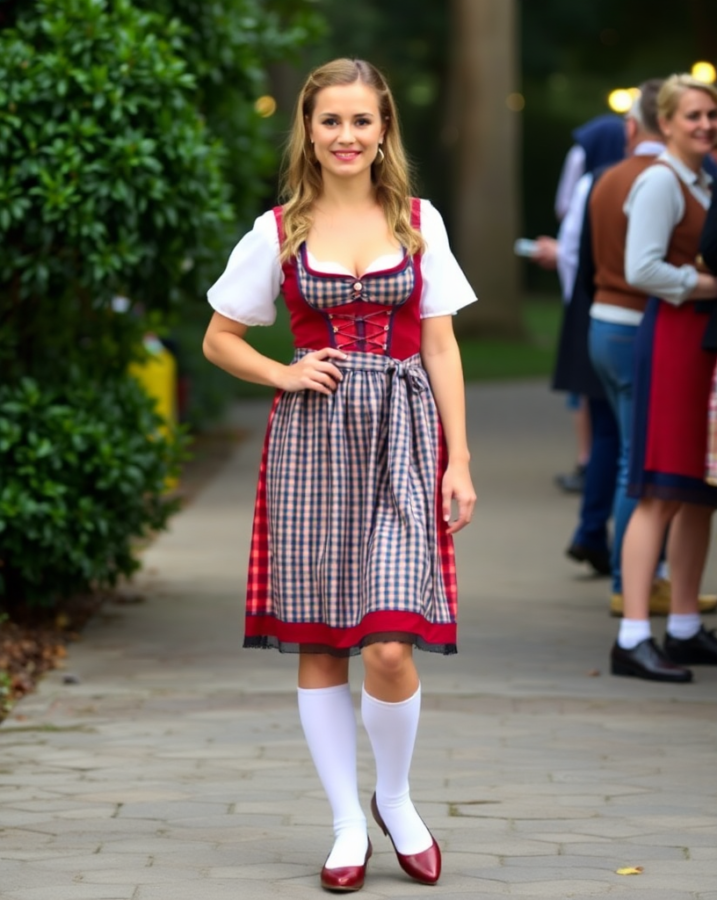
(704, 71)
(621, 100)
(265, 106)
(422, 93)
(515, 102)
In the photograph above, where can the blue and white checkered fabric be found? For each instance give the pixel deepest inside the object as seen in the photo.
(323, 291)
(351, 497)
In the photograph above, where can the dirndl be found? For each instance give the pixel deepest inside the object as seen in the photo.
(673, 377)
(348, 545)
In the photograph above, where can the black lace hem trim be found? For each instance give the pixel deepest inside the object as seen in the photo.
(686, 490)
(267, 642)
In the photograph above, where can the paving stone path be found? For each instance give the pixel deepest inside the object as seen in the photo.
(173, 768)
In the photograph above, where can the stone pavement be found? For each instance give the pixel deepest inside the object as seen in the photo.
(173, 768)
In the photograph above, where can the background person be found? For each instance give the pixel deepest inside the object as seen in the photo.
(616, 312)
(596, 142)
(617, 307)
(573, 371)
(666, 210)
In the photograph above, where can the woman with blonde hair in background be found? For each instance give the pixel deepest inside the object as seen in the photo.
(666, 211)
(365, 473)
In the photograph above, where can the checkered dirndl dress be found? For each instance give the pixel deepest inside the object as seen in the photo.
(348, 543)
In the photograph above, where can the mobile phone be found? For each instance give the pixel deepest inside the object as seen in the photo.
(525, 247)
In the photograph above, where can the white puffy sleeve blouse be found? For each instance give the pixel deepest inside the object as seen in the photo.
(247, 289)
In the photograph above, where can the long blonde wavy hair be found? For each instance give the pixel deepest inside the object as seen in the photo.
(301, 177)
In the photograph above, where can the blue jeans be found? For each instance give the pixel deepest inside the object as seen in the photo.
(600, 477)
(611, 348)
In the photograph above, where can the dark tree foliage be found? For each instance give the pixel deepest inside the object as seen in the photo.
(574, 54)
(228, 45)
(8, 12)
(616, 37)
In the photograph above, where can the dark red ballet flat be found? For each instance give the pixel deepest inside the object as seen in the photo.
(424, 867)
(346, 878)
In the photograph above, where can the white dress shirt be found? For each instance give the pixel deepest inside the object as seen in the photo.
(569, 237)
(572, 171)
(654, 207)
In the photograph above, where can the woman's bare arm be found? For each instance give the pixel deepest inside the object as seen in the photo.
(226, 347)
(442, 360)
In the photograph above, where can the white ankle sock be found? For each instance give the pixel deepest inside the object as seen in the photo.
(392, 728)
(329, 723)
(633, 632)
(684, 626)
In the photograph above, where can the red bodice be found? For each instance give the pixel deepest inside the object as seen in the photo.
(377, 313)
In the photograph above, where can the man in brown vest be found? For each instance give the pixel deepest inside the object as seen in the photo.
(617, 310)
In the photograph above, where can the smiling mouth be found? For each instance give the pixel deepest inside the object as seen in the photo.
(346, 154)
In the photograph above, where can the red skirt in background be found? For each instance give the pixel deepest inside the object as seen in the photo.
(673, 379)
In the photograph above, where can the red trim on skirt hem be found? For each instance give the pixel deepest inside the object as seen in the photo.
(265, 631)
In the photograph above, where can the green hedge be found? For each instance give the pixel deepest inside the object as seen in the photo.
(130, 153)
(83, 473)
(110, 182)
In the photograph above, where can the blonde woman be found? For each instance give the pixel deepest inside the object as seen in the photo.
(666, 211)
(365, 472)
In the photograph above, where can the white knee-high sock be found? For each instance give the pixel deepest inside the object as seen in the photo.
(329, 723)
(392, 728)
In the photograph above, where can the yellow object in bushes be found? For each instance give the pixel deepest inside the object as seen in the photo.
(157, 374)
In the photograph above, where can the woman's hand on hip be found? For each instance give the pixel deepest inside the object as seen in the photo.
(314, 372)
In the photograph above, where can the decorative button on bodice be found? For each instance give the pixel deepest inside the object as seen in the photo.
(358, 287)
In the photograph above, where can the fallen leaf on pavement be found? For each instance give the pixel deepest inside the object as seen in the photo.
(630, 870)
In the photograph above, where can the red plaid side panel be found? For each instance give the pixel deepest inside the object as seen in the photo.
(258, 589)
(445, 548)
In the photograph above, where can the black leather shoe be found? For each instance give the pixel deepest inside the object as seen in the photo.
(699, 650)
(647, 660)
(598, 559)
(573, 482)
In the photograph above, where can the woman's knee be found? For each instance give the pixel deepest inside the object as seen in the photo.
(320, 670)
(663, 510)
(692, 512)
(387, 660)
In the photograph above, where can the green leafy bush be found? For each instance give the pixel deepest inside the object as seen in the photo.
(83, 473)
(115, 179)
(229, 45)
(110, 182)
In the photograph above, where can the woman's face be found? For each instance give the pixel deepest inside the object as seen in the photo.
(692, 129)
(346, 129)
